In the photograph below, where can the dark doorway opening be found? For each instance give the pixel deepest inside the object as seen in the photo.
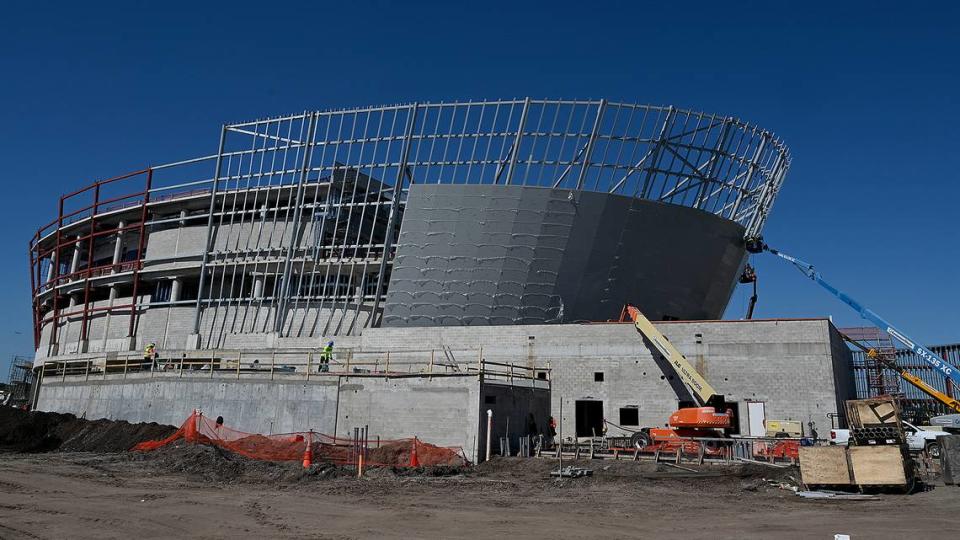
(589, 418)
(734, 408)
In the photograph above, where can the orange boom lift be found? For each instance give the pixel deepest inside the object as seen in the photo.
(710, 418)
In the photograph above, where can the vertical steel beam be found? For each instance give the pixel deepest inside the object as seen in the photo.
(141, 245)
(516, 142)
(590, 144)
(745, 186)
(715, 158)
(209, 243)
(56, 279)
(85, 318)
(394, 209)
(644, 192)
(295, 236)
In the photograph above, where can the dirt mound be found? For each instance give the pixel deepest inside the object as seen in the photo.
(36, 431)
(399, 454)
(216, 465)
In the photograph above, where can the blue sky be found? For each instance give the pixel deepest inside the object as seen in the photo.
(864, 94)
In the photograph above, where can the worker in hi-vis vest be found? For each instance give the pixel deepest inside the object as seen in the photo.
(149, 355)
(325, 357)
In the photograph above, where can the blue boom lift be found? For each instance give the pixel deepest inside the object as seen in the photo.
(756, 245)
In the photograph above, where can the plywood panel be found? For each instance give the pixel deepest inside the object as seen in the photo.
(824, 465)
(878, 465)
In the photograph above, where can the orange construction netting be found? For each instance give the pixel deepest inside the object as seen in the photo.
(310, 447)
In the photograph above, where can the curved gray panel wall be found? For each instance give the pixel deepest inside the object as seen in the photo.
(487, 255)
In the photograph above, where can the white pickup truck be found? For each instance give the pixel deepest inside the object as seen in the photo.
(918, 439)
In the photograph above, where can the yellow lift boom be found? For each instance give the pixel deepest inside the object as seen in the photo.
(703, 392)
(950, 402)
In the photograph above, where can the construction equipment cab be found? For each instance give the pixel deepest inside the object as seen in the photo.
(710, 418)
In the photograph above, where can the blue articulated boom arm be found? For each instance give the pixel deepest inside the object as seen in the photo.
(928, 356)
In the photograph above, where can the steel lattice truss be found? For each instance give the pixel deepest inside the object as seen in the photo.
(306, 208)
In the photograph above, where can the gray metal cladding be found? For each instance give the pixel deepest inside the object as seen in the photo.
(494, 255)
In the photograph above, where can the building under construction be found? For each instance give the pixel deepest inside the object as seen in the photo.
(453, 252)
(325, 223)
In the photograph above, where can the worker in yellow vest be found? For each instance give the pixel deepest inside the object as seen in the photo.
(149, 355)
(325, 357)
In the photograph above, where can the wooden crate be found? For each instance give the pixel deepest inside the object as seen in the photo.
(873, 412)
(824, 466)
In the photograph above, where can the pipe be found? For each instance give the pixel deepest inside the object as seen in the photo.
(489, 430)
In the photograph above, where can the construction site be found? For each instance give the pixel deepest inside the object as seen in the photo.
(434, 319)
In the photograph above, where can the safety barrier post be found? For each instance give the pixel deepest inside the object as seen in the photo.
(431, 364)
(211, 364)
(126, 360)
(239, 359)
(63, 372)
(309, 362)
(489, 431)
(273, 363)
(190, 433)
(387, 368)
(86, 376)
(480, 361)
(182, 358)
(349, 358)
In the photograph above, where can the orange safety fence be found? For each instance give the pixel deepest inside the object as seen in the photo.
(311, 447)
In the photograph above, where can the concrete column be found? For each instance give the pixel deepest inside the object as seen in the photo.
(75, 262)
(258, 287)
(51, 272)
(175, 289)
(118, 249)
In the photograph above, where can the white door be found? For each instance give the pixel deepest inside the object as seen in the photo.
(757, 418)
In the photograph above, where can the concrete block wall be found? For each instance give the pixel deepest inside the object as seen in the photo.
(798, 368)
(441, 410)
(794, 366)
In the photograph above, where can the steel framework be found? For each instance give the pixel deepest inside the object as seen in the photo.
(302, 211)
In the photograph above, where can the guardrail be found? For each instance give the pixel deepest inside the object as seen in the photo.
(306, 364)
(677, 450)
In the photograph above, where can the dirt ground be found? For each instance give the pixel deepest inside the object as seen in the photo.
(49, 489)
(199, 492)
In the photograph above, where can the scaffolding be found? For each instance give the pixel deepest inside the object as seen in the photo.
(20, 382)
(880, 380)
(872, 379)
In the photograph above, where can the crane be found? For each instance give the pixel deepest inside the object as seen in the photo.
(756, 245)
(921, 385)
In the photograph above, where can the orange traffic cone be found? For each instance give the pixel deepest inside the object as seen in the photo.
(308, 452)
(414, 462)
